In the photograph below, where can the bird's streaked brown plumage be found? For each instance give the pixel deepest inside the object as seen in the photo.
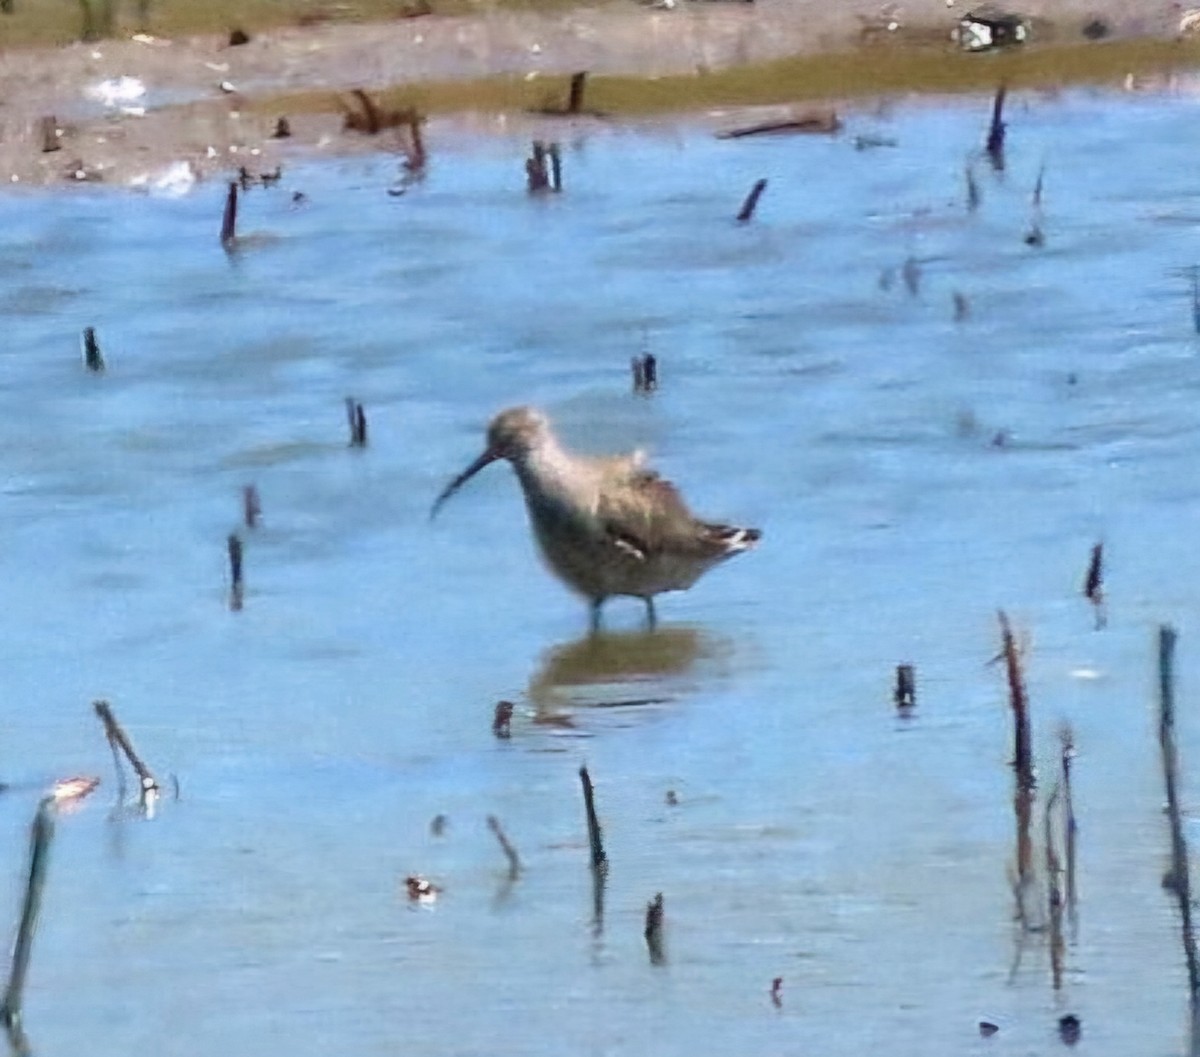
(606, 526)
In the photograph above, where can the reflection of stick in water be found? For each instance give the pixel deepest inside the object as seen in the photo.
(1054, 894)
(41, 833)
(119, 739)
(1070, 826)
(1177, 879)
(514, 863)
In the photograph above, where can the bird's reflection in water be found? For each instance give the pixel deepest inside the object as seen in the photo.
(612, 669)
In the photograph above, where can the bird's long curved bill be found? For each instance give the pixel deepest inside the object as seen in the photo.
(485, 459)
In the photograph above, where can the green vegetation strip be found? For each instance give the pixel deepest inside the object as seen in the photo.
(866, 72)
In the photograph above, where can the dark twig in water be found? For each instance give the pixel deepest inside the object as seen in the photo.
(543, 168)
(1037, 189)
(40, 835)
(1070, 827)
(599, 859)
(751, 202)
(1093, 584)
(1178, 879)
(910, 272)
(502, 719)
(995, 137)
(645, 373)
(906, 687)
(416, 157)
(514, 862)
(654, 930)
(229, 218)
(119, 739)
(1054, 893)
(1022, 764)
(826, 121)
(93, 359)
(973, 195)
(777, 992)
(237, 590)
(251, 506)
(962, 307)
(1196, 298)
(356, 419)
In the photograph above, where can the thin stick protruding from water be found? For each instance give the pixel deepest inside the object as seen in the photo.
(1179, 877)
(654, 930)
(118, 739)
(906, 687)
(251, 506)
(575, 94)
(1093, 584)
(229, 217)
(973, 195)
(93, 358)
(237, 587)
(599, 859)
(1196, 298)
(514, 861)
(356, 419)
(996, 130)
(751, 202)
(502, 719)
(1023, 766)
(41, 834)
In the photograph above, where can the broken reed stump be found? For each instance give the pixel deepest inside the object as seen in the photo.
(1093, 584)
(1178, 879)
(283, 128)
(995, 137)
(510, 853)
(93, 359)
(415, 155)
(237, 590)
(751, 202)
(41, 834)
(229, 217)
(49, 127)
(502, 719)
(973, 195)
(543, 168)
(356, 419)
(118, 739)
(251, 506)
(1054, 894)
(645, 373)
(595, 842)
(1022, 762)
(906, 687)
(575, 93)
(777, 992)
(654, 930)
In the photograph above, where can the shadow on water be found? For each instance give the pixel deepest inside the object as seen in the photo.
(619, 669)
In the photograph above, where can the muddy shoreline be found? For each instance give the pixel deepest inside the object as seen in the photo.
(208, 107)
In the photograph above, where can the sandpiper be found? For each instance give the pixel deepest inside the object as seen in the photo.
(606, 525)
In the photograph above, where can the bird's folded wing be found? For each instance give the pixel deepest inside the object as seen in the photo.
(645, 515)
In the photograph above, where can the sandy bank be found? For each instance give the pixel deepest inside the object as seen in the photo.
(212, 106)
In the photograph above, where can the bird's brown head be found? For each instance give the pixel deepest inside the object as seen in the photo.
(512, 434)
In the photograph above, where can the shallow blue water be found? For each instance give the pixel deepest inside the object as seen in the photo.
(318, 732)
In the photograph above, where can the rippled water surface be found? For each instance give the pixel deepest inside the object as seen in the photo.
(912, 474)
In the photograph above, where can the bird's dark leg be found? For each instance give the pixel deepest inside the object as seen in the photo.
(595, 614)
(651, 615)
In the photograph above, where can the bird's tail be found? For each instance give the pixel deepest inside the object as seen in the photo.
(733, 539)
